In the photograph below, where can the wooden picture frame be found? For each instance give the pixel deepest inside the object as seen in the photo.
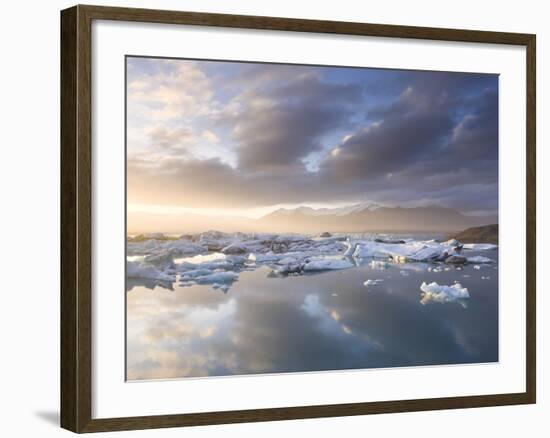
(76, 217)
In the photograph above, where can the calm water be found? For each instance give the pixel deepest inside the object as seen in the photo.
(326, 321)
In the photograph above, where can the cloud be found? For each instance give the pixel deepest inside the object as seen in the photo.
(251, 135)
(171, 140)
(408, 131)
(162, 90)
(277, 126)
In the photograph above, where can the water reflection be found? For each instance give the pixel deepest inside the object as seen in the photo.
(317, 322)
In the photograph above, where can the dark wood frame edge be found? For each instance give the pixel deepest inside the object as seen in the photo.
(76, 239)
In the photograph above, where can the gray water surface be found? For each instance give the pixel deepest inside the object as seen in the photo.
(320, 322)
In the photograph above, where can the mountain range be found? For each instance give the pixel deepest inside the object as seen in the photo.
(354, 218)
(370, 217)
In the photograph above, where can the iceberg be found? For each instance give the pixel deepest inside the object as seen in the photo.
(402, 252)
(479, 259)
(137, 269)
(480, 246)
(218, 258)
(262, 258)
(217, 277)
(327, 264)
(235, 248)
(434, 292)
(379, 264)
(372, 282)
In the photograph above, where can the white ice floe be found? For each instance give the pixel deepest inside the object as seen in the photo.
(434, 292)
(327, 264)
(379, 264)
(402, 252)
(235, 248)
(218, 258)
(217, 277)
(287, 261)
(138, 269)
(404, 273)
(222, 287)
(263, 258)
(479, 259)
(480, 246)
(370, 282)
(477, 267)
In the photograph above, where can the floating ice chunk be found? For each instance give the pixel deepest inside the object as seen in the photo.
(173, 248)
(477, 267)
(217, 277)
(372, 282)
(291, 268)
(327, 264)
(201, 258)
(480, 246)
(235, 259)
(456, 260)
(235, 248)
(163, 260)
(350, 248)
(404, 273)
(263, 258)
(401, 252)
(428, 253)
(400, 259)
(135, 258)
(138, 269)
(379, 264)
(222, 287)
(193, 274)
(434, 292)
(485, 278)
(480, 259)
(365, 250)
(287, 261)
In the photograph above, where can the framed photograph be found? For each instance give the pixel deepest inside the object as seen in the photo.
(269, 218)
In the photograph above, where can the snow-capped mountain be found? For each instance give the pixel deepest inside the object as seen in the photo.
(340, 211)
(369, 217)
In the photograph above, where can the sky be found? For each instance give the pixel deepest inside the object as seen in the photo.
(243, 139)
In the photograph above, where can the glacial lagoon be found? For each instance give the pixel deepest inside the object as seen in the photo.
(371, 313)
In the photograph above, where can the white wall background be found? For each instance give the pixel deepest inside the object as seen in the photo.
(29, 219)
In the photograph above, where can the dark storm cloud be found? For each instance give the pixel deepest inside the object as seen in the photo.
(407, 131)
(476, 135)
(437, 142)
(278, 127)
